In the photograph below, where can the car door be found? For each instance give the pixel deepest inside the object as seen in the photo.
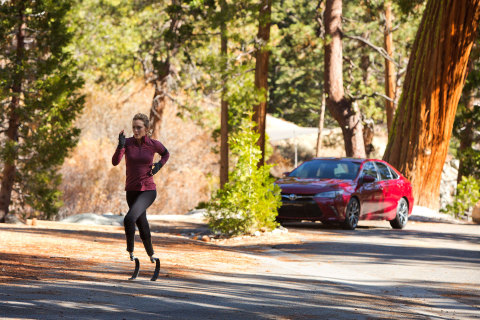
(370, 193)
(388, 187)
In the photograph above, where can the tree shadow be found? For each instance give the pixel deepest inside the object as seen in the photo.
(217, 295)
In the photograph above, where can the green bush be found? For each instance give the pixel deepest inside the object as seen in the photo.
(468, 193)
(249, 201)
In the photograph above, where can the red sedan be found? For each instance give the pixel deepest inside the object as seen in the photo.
(346, 190)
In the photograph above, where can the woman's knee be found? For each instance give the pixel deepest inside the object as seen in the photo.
(129, 220)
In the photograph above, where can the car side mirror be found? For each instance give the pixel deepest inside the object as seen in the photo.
(367, 179)
(286, 173)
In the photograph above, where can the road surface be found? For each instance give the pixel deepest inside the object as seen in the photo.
(427, 271)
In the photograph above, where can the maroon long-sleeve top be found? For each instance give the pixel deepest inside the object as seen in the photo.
(139, 161)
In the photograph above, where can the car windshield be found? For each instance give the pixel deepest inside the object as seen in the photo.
(326, 169)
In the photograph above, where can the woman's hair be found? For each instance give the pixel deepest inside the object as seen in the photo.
(145, 120)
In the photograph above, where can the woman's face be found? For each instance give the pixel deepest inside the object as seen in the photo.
(139, 129)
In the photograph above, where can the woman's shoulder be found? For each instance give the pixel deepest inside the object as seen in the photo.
(153, 141)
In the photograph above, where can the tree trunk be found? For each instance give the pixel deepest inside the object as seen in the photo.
(261, 72)
(320, 126)
(9, 169)
(339, 106)
(224, 104)
(159, 100)
(433, 84)
(389, 67)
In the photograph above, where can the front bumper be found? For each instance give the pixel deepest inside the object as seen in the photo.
(310, 208)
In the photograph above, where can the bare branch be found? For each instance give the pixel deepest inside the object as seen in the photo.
(371, 45)
(363, 96)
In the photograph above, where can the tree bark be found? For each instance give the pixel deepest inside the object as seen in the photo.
(159, 100)
(433, 84)
(389, 67)
(261, 72)
(339, 106)
(224, 104)
(320, 126)
(161, 76)
(9, 169)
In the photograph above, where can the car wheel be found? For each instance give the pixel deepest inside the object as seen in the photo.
(402, 215)
(352, 214)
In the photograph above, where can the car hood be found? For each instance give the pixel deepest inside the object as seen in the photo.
(312, 186)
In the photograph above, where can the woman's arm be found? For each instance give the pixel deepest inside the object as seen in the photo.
(118, 155)
(160, 149)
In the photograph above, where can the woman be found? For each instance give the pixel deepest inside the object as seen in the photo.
(139, 151)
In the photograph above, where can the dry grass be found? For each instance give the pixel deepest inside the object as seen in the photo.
(92, 184)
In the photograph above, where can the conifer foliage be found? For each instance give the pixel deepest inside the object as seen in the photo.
(38, 104)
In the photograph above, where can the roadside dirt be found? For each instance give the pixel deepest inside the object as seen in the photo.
(63, 251)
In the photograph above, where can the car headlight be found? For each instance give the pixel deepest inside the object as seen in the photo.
(329, 194)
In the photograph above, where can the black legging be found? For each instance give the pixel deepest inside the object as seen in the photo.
(138, 202)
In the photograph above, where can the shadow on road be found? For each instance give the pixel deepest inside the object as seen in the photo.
(216, 295)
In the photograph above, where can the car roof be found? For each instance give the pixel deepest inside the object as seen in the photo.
(358, 160)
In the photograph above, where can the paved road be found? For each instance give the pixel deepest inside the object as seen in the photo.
(427, 271)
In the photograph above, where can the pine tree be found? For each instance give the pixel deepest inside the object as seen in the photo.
(39, 102)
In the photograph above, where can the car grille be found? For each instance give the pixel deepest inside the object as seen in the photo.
(299, 206)
(297, 197)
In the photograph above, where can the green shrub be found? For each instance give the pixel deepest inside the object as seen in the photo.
(468, 193)
(249, 201)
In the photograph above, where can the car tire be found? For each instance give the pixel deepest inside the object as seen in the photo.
(352, 214)
(401, 218)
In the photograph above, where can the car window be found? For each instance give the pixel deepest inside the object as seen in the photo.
(394, 174)
(384, 172)
(370, 170)
(326, 169)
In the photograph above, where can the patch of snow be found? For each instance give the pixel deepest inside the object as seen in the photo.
(95, 219)
(425, 214)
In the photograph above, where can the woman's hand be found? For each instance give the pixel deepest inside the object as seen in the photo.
(155, 168)
(121, 140)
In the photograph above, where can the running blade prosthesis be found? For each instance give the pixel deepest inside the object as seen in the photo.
(137, 269)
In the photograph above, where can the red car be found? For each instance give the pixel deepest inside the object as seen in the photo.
(346, 190)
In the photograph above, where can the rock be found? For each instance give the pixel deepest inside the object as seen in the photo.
(476, 213)
(206, 238)
(257, 233)
(455, 163)
(277, 231)
(12, 219)
(448, 184)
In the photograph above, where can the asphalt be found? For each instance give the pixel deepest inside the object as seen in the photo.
(426, 271)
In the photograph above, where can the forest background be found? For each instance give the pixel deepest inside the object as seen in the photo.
(186, 59)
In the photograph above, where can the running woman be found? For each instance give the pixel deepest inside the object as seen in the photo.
(141, 191)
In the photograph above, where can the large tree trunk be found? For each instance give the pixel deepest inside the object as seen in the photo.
(159, 100)
(261, 71)
(339, 106)
(9, 168)
(320, 126)
(435, 77)
(224, 105)
(390, 80)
